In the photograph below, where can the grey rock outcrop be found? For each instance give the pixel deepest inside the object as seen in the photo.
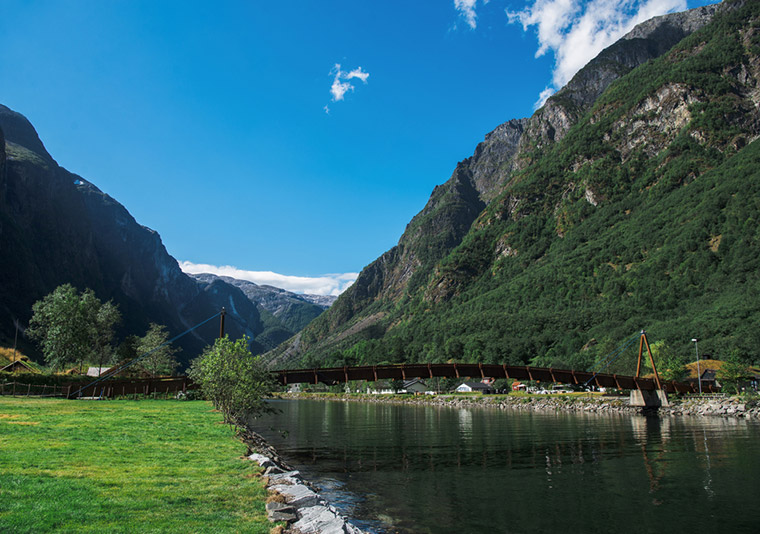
(294, 310)
(304, 509)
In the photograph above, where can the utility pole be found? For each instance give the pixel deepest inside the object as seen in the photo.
(221, 323)
(15, 339)
(699, 373)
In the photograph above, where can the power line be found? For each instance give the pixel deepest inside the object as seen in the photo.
(616, 353)
(113, 372)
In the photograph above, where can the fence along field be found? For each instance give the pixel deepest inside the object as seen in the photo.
(104, 390)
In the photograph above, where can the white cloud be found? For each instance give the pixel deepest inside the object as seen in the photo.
(341, 84)
(358, 73)
(466, 9)
(576, 31)
(543, 97)
(329, 284)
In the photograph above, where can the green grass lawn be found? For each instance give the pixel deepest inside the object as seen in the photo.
(124, 466)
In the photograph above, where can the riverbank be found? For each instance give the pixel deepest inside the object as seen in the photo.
(293, 500)
(124, 466)
(577, 403)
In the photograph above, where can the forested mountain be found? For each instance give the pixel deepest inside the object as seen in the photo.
(628, 201)
(56, 228)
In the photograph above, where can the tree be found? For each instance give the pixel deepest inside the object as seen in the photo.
(233, 379)
(72, 328)
(397, 385)
(733, 371)
(670, 365)
(126, 351)
(158, 354)
(106, 317)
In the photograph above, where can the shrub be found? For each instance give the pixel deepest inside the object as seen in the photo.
(233, 379)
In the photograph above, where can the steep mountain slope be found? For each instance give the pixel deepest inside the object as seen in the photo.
(56, 227)
(534, 248)
(282, 313)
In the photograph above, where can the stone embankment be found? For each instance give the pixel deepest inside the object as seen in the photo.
(294, 500)
(726, 407)
(690, 405)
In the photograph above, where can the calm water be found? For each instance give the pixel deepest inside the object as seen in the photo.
(415, 469)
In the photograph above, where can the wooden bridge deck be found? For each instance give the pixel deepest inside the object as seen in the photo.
(335, 375)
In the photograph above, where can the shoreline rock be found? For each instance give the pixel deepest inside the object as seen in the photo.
(685, 406)
(303, 509)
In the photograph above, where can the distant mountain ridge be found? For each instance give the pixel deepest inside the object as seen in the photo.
(673, 99)
(56, 227)
(283, 313)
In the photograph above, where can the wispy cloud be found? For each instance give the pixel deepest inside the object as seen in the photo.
(342, 82)
(466, 10)
(544, 96)
(575, 31)
(329, 284)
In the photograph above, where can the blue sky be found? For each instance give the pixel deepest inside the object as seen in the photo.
(287, 142)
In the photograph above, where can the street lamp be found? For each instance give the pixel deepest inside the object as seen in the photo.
(699, 373)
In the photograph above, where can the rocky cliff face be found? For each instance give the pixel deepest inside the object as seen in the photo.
(647, 41)
(2, 167)
(477, 182)
(56, 227)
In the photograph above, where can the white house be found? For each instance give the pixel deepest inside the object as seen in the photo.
(474, 387)
(381, 388)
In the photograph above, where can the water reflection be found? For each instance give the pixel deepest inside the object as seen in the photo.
(465, 421)
(708, 475)
(442, 470)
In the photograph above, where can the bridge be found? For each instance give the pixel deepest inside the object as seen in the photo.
(655, 388)
(335, 375)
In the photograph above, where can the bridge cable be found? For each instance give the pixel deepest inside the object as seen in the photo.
(113, 372)
(616, 353)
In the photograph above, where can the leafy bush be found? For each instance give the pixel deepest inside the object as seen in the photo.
(233, 379)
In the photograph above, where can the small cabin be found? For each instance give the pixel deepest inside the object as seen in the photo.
(416, 386)
(20, 366)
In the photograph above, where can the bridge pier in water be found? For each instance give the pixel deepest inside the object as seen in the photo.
(652, 398)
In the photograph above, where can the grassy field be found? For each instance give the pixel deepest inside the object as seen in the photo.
(124, 466)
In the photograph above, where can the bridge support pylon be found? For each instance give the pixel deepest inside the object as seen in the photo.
(643, 398)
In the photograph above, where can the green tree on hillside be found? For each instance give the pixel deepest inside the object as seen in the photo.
(159, 359)
(72, 328)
